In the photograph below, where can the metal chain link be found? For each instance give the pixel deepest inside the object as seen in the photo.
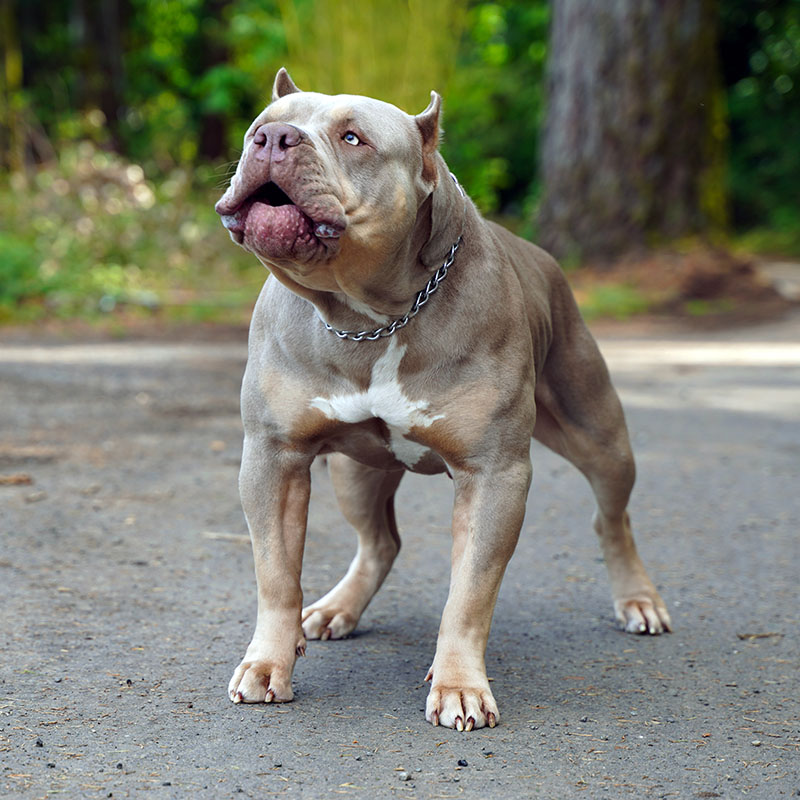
(421, 298)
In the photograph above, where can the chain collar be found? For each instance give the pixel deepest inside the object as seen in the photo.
(420, 300)
(422, 297)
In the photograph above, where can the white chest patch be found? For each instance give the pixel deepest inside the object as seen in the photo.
(384, 399)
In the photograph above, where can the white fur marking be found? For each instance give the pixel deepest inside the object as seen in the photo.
(384, 399)
(364, 309)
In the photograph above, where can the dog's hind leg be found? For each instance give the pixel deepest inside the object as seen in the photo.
(366, 497)
(579, 416)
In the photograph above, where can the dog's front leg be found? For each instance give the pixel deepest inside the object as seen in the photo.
(487, 517)
(274, 483)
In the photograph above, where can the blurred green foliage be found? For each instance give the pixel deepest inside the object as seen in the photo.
(618, 301)
(93, 235)
(397, 50)
(114, 142)
(760, 55)
(494, 105)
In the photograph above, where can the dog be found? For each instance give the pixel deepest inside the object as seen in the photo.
(402, 331)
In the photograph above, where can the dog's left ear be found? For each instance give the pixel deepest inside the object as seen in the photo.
(283, 85)
(428, 124)
(444, 207)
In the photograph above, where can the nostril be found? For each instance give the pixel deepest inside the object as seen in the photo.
(290, 137)
(276, 137)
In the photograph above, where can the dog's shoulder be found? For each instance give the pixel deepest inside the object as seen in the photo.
(526, 257)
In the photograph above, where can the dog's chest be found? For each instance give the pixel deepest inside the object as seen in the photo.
(386, 400)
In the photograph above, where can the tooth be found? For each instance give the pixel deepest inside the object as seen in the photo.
(326, 231)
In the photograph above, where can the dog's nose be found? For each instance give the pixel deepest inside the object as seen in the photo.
(273, 139)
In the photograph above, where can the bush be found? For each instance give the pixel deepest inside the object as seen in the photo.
(91, 233)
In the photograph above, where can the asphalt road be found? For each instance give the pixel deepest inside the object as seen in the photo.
(128, 597)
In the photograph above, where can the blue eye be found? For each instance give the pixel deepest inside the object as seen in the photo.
(351, 138)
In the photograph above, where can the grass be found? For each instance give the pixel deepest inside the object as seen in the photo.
(782, 243)
(615, 301)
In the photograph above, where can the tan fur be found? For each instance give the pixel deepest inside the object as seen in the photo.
(498, 355)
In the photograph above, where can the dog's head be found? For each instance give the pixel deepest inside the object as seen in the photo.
(329, 187)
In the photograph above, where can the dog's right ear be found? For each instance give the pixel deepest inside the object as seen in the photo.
(283, 85)
(428, 124)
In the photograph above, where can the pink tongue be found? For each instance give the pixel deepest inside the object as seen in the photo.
(277, 229)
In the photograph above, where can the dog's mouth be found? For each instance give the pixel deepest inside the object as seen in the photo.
(272, 195)
(269, 222)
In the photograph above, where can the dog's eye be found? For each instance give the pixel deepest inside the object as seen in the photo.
(351, 138)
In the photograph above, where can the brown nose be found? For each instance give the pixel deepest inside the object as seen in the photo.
(272, 140)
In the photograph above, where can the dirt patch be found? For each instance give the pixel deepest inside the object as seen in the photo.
(702, 287)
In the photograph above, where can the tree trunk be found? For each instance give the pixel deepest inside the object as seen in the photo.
(12, 137)
(96, 27)
(112, 90)
(634, 137)
(214, 51)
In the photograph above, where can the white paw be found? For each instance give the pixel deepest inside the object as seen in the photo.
(327, 622)
(265, 674)
(260, 682)
(456, 704)
(643, 613)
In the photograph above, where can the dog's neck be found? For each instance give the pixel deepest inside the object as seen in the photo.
(398, 286)
(389, 326)
(388, 319)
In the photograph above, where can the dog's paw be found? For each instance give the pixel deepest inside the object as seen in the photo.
(464, 708)
(260, 681)
(643, 613)
(327, 621)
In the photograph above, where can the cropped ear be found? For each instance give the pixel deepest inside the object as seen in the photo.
(428, 124)
(283, 85)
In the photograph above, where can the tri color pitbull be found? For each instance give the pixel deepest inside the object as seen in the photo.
(348, 203)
